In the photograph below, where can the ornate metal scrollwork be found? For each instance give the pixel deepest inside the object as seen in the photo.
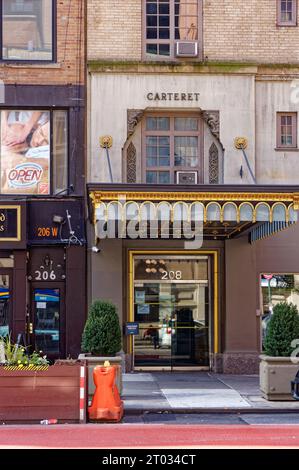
(212, 120)
(134, 116)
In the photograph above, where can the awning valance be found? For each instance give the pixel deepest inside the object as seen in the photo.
(223, 213)
(211, 212)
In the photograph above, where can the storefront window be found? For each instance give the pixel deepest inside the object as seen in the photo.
(27, 30)
(172, 144)
(33, 159)
(60, 150)
(4, 305)
(277, 288)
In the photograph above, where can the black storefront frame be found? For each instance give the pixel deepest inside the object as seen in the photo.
(74, 290)
(70, 98)
(51, 110)
(54, 40)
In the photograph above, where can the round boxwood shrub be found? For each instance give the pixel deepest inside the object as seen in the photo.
(283, 328)
(102, 334)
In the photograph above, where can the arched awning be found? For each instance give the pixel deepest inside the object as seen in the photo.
(223, 214)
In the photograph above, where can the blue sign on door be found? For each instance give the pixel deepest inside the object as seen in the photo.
(132, 329)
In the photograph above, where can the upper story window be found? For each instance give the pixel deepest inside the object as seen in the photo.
(34, 151)
(287, 12)
(172, 28)
(27, 30)
(287, 130)
(172, 148)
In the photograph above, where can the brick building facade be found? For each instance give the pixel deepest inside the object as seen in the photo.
(69, 50)
(42, 252)
(232, 32)
(201, 101)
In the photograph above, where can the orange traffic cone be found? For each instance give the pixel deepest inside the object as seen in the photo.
(106, 404)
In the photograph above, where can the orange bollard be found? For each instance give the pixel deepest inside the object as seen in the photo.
(106, 404)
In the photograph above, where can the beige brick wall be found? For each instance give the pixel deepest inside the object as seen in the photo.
(70, 66)
(246, 30)
(234, 30)
(114, 29)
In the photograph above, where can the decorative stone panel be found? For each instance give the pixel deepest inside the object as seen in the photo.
(213, 164)
(131, 163)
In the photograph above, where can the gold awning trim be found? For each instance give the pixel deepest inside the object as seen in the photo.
(211, 211)
(270, 203)
(101, 196)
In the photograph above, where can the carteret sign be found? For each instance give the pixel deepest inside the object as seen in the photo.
(158, 96)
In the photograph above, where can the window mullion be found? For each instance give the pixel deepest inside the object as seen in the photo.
(172, 28)
(171, 134)
(1, 31)
(294, 12)
(294, 130)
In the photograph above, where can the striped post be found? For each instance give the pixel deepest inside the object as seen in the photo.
(30, 368)
(83, 395)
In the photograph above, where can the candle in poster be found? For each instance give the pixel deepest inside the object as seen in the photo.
(25, 152)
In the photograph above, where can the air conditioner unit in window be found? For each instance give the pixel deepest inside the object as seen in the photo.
(186, 177)
(187, 49)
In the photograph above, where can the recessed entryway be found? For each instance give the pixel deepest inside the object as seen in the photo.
(173, 306)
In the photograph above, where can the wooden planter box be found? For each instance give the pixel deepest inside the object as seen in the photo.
(31, 396)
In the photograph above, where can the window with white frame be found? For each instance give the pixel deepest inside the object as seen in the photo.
(170, 22)
(287, 12)
(287, 130)
(172, 143)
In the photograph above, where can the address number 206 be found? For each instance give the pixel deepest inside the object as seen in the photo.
(45, 276)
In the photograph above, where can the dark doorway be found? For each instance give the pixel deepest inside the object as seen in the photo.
(47, 328)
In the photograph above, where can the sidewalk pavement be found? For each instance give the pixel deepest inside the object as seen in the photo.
(186, 392)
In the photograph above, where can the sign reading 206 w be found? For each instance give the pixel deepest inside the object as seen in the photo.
(10, 223)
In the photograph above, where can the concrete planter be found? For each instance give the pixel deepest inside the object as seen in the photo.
(28, 396)
(93, 361)
(276, 374)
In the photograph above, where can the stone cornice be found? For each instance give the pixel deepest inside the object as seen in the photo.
(265, 71)
(166, 68)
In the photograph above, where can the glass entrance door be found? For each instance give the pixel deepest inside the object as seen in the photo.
(172, 307)
(48, 319)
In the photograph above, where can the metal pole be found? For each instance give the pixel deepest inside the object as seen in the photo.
(248, 165)
(109, 164)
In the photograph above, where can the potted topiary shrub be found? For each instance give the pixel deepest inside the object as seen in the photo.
(101, 340)
(279, 365)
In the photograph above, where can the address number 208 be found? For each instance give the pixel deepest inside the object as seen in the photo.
(172, 275)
